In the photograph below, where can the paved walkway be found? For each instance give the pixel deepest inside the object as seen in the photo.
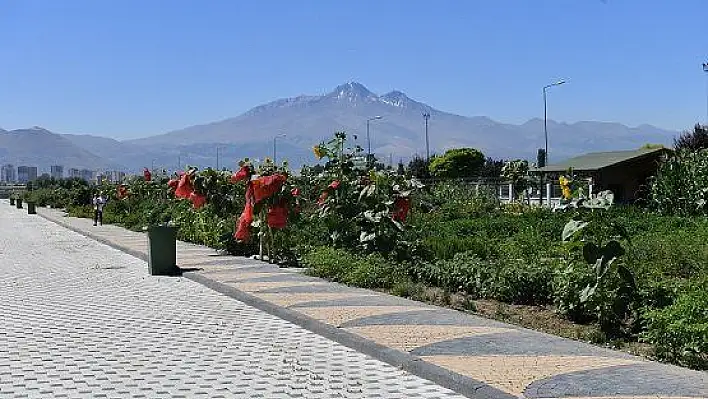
(79, 319)
(473, 355)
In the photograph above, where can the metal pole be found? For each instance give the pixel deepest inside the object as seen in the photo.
(705, 69)
(368, 144)
(426, 116)
(217, 157)
(545, 125)
(275, 150)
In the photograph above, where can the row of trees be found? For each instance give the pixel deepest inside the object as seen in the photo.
(470, 162)
(456, 163)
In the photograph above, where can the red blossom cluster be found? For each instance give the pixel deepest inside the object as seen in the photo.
(184, 188)
(122, 191)
(257, 191)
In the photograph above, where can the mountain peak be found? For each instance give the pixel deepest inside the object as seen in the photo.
(396, 98)
(353, 91)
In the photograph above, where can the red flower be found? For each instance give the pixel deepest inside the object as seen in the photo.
(295, 192)
(184, 187)
(198, 200)
(173, 183)
(278, 215)
(122, 191)
(266, 186)
(243, 174)
(243, 227)
(401, 207)
(147, 175)
(334, 185)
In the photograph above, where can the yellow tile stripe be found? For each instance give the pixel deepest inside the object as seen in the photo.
(512, 374)
(409, 337)
(338, 315)
(288, 299)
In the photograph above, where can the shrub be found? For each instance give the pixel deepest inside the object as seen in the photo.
(457, 162)
(514, 282)
(370, 271)
(694, 140)
(679, 332)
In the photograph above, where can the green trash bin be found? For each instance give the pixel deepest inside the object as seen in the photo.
(18, 203)
(31, 210)
(12, 201)
(162, 250)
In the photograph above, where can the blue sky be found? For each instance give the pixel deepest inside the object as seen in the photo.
(134, 68)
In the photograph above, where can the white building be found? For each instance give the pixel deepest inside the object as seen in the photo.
(26, 174)
(57, 171)
(8, 174)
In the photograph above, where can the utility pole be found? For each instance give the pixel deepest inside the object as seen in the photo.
(217, 157)
(275, 148)
(545, 113)
(426, 116)
(705, 69)
(368, 139)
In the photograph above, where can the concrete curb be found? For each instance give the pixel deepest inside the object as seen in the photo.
(463, 385)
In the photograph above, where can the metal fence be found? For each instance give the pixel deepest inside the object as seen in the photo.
(546, 194)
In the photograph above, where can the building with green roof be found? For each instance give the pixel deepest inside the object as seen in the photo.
(625, 173)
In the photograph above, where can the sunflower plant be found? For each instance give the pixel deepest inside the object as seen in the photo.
(360, 207)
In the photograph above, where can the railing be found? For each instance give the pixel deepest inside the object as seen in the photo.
(549, 194)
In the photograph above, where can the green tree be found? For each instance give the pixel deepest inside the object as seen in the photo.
(457, 163)
(418, 166)
(694, 140)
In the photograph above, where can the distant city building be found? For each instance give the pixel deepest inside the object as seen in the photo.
(88, 175)
(115, 176)
(8, 174)
(57, 171)
(26, 174)
(45, 175)
(73, 172)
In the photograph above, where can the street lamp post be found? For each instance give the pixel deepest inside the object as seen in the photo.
(705, 69)
(368, 139)
(275, 148)
(426, 116)
(545, 116)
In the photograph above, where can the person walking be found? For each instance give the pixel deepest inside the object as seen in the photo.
(99, 201)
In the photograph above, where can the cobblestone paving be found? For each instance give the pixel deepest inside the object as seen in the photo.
(80, 319)
(511, 361)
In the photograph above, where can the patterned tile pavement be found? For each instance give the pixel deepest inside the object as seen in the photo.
(514, 361)
(79, 319)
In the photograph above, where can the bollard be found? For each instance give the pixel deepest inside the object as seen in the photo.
(162, 250)
(31, 208)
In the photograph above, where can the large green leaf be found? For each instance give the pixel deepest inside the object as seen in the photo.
(587, 292)
(591, 253)
(612, 249)
(571, 228)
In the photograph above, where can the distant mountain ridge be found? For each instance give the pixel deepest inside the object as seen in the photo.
(399, 134)
(40, 147)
